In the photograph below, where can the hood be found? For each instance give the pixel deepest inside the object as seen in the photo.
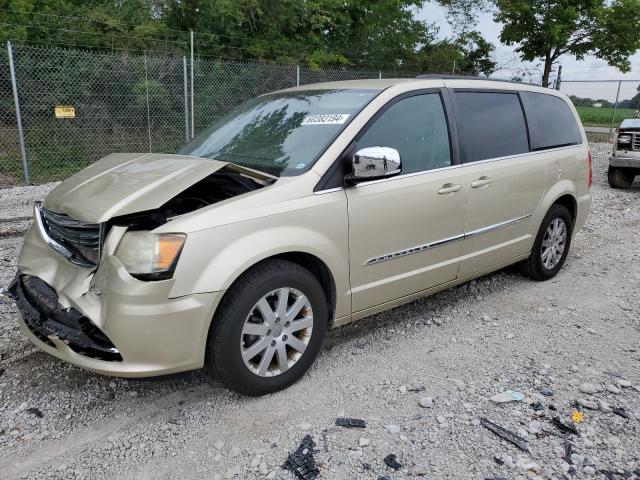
(124, 183)
(630, 123)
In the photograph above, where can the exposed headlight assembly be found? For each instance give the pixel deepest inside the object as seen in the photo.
(150, 256)
(624, 139)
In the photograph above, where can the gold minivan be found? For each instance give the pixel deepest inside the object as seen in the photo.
(299, 211)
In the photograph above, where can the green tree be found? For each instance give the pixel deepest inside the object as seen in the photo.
(548, 29)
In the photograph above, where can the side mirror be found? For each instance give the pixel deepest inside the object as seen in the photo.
(371, 163)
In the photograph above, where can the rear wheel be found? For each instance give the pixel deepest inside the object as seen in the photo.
(551, 246)
(620, 177)
(268, 329)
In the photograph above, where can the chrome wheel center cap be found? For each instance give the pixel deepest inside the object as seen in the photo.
(277, 331)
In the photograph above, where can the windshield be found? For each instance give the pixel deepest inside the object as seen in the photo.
(280, 133)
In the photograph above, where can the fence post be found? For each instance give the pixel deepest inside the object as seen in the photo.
(558, 81)
(379, 74)
(615, 109)
(186, 99)
(146, 87)
(192, 121)
(297, 75)
(14, 86)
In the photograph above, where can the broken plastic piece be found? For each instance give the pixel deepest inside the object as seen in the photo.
(302, 462)
(620, 412)
(577, 416)
(34, 411)
(416, 389)
(518, 441)
(568, 450)
(508, 396)
(392, 462)
(564, 426)
(350, 422)
(547, 392)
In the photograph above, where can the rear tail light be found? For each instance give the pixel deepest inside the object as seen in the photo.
(590, 179)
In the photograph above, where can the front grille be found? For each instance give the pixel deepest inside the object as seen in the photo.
(81, 238)
(635, 142)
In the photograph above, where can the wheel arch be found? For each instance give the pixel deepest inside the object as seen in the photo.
(570, 203)
(562, 193)
(310, 262)
(317, 268)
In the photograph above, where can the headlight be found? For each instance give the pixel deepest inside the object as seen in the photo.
(150, 256)
(624, 139)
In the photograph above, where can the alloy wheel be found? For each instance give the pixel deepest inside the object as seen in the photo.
(276, 332)
(554, 243)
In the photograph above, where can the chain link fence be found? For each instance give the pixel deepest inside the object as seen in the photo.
(603, 104)
(123, 103)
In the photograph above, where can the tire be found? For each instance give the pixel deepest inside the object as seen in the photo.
(240, 328)
(620, 177)
(539, 267)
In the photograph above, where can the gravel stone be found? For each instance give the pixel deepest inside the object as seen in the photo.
(587, 404)
(426, 402)
(589, 388)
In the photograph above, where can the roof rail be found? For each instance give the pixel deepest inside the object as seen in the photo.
(438, 76)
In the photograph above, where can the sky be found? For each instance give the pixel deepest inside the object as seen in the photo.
(590, 68)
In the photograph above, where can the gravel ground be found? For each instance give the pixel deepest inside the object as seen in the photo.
(572, 339)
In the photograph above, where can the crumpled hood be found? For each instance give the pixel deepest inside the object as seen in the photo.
(124, 183)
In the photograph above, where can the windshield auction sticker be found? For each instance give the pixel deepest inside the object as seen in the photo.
(326, 119)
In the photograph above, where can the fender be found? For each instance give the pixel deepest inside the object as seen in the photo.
(213, 260)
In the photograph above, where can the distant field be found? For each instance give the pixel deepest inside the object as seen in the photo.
(593, 116)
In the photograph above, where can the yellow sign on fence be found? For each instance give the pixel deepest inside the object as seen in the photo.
(65, 111)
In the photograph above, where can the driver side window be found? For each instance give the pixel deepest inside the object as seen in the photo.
(416, 127)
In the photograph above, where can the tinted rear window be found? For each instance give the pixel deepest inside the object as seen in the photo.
(492, 125)
(551, 121)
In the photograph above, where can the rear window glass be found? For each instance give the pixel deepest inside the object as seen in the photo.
(551, 121)
(492, 125)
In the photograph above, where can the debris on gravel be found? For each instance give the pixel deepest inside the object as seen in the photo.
(458, 347)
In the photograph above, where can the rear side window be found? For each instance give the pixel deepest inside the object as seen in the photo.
(551, 121)
(492, 125)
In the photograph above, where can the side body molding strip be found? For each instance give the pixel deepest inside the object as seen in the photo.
(444, 241)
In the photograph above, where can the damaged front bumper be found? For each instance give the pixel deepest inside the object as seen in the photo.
(107, 321)
(43, 317)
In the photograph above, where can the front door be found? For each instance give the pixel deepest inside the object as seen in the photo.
(405, 232)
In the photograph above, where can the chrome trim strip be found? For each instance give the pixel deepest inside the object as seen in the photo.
(497, 226)
(412, 250)
(329, 190)
(61, 249)
(445, 241)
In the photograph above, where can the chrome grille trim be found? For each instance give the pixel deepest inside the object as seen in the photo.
(79, 242)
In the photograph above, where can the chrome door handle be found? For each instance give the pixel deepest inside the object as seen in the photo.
(481, 182)
(449, 188)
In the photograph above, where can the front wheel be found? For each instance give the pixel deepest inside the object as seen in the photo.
(620, 177)
(268, 329)
(551, 246)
